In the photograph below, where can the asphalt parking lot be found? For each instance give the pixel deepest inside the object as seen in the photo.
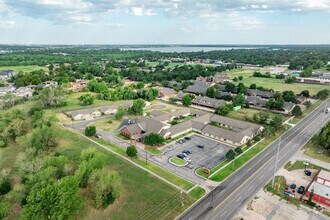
(211, 155)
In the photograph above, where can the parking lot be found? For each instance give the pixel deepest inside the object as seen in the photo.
(211, 155)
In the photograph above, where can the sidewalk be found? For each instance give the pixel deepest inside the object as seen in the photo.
(301, 156)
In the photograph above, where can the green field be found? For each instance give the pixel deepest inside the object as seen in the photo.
(143, 196)
(23, 68)
(247, 112)
(178, 161)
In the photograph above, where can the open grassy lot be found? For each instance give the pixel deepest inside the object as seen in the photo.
(246, 112)
(23, 68)
(300, 165)
(153, 150)
(240, 72)
(280, 85)
(107, 124)
(313, 150)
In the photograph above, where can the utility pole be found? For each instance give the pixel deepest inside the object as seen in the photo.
(277, 154)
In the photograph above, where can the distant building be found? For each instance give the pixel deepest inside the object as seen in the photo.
(48, 84)
(78, 85)
(165, 93)
(199, 87)
(85, 114)
(321, 188)
(321, 80)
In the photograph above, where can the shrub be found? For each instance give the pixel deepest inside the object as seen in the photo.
(131, 151)
(238, 150)
(90, 130)
(230, 155)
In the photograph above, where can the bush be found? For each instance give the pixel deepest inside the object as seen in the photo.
(297, 111)
(240, 78)
(222, 110)
(153, 139)
(131, 151)
(90, 130)
(230, 155)
(238, 150)
(110, 121)
(256, 138)
(3, 143)
(323, 94)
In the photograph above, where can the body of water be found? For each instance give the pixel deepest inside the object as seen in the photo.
(185, 49)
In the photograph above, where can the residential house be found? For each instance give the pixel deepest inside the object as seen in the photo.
(259, 93)
(165, 93)
(320, 188)
(78, 85)
(208, 102)
(6, 74)
(256, 101)
(288, 107)
(301, 99)
(85, 114)
(199, 87)
(180, 95)
(48, 84)
(172, 84)
(112, 109)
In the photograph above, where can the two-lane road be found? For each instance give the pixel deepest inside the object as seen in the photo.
(226, 200)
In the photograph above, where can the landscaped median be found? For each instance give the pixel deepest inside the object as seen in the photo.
(178, 162)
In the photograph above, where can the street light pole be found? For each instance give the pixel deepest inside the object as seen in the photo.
(276, 161)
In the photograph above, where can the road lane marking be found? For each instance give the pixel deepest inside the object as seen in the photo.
(264, 165)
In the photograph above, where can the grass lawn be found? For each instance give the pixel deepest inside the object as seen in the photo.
(23, 68)
(150, 166)
(178, 161)
(142, 196)
(107, 125)
(153, 150)
(300, 165)
(307, 111)
(280, 85)
(228, 170)
(119, 135)
(247, 112)
(240, 72)
(311, 149)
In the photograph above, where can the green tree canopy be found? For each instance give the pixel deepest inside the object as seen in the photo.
(90, 130)
(153, 139)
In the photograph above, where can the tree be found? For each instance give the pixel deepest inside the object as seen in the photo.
(235, 79)
(289, 96)
(253, 86)
(131, 151)
(52, 97)
(120, 113)
(307, 73)
(90, 130)
(186, 100)
(140, 85)
(137, 107)
(53, 200)
(305, 93)
(308, 104)
(153, 139)
(238, 150)
(87, 99)
(297, 111)
(323, 94)
(97, 87)
(106, 187)
(249, 143)
(212, 92)
(230, 87)
(240, 78)
(277, 121)
(239, 100)
(222, 110)
(5, 184)
(230, 155)
(323, 139)
(290, 79)
(44, 138)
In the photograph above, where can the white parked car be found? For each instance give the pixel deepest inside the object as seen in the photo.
(187, 159)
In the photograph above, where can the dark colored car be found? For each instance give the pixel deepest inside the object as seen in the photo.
(293, 186)
(186, 151)
(187, 138)
(180, 156)
(301, 190)
(98, 136)
(308, 172)
(200, 146)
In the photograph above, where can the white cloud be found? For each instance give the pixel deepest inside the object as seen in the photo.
(7, 24)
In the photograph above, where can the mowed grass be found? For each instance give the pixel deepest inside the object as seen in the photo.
(280, 85)
(314, 150)
(178, 161)
(107, 124)
(300, 165)
(143, 196)
(23, 68)
(240, 72)
(242, 114)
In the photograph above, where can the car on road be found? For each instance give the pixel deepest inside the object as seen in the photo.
(200, 146)
(187, 152)
(180, 156)
(293, 186)
(301, 189)
(187, 138)
(187, 159)
(308, 172)
(97, 135)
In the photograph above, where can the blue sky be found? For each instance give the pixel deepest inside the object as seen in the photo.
(165, 22)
